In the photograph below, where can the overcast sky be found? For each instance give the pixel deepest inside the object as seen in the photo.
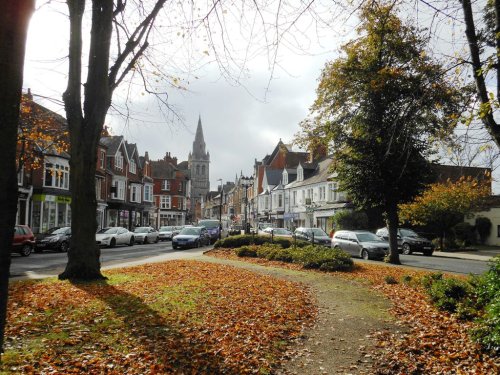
(241, 123)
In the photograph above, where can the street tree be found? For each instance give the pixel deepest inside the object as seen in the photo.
(444, 205)
(120, 36)
(14, 20)
(378, 107)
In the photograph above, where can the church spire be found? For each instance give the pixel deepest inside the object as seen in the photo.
(199, 142)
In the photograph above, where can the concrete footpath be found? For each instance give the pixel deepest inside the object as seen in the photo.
(483, 255)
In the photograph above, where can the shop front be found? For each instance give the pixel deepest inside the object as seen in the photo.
(50, 211)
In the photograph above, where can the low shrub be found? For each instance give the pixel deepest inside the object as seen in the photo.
(464, 234)
(487, 333)
(246, 251)
(390, 280)
(315, 257)
(234, 241)
(430, 279)
(448, 293)
(406, 279)
(483, 228)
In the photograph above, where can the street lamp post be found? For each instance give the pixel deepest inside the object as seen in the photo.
(246, 182)
(220, 208)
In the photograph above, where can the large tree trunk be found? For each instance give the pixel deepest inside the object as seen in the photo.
(392, 224)
(14, 19)
(83, 255)
(85, 128)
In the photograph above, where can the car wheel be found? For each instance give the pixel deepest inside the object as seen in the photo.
(406, 249)
(174, 247)
(365, 255)
(336, 247)
(145, 240)
(25, 250)
(428, 253)
(112, 243)
(131, 242)
(63, 247)
(157, 239)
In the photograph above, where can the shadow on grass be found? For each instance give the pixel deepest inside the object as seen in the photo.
(155, 334)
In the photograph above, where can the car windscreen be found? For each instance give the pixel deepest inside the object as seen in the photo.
(367, 237)
(141, 230)
(407, 233)
(60, 231)
(190, 231)
(280, 231)
(208, 223)
(318, 232)
(108, 230)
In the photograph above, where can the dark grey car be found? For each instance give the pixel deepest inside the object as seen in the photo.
(409, 241)
(360, 243)
(315, 235)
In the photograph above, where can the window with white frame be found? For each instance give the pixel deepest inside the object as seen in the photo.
(303, 196)
(266, 203)
(332, 192)
(294, 198)
(165, 185)
(285, 177)
(103, 159)
(280, 200)
(135, 193)
(148, 193)
(98, 187)
(300, 173)
(120, 189)
(56, 175)
(165, 202)
(132, 167)
(20, 177)
(310, 193)
(119, 160)
(322, 193)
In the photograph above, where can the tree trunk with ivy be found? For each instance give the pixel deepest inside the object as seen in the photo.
(14, 19)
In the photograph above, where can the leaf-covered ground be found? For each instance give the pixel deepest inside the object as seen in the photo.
(175, 317)
(434, 342)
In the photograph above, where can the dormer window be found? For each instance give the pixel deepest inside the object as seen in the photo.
(119, 160)
(300, 173)
(132, 167)
(285, 177)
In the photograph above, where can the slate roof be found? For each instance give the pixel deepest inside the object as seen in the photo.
(315, 172)
(162, 169)
(273, 176)
(112, 143)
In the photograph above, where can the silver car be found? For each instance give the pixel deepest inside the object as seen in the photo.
(360, 243)
(166, 233)
(146, 235)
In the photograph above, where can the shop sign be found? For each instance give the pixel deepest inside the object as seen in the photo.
(51, 198)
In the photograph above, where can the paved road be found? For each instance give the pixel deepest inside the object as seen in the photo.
(436, 263)
(51, 263)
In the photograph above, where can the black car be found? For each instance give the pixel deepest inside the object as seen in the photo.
(409, 241)
(54, 239)
(191, 237)
(315, 235)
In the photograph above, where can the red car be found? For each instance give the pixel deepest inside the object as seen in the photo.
(24, 240)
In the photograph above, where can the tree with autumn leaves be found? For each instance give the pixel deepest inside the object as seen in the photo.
(378, 107)
(443, 205)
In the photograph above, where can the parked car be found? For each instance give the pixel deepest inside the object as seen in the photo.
(213, 228)
(166, 233)
(112, 236)
(235, 230)
(360, 243)
(280, 232)
(23, 241)
(54, 239)
(177, 230)
(146, 235)
(191, 237)
(317, 235)
(262, 225)
(409, 241)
